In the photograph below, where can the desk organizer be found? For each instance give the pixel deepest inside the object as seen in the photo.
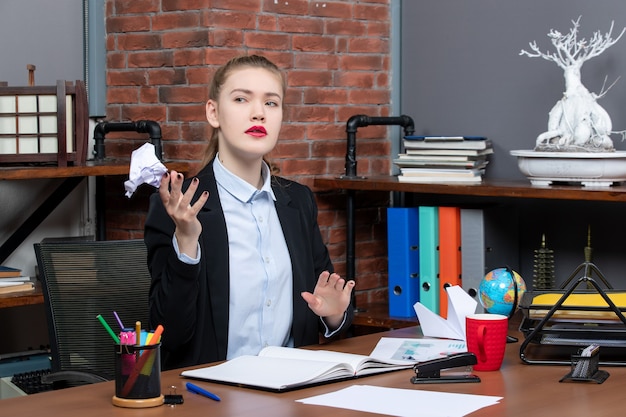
(44, 124)
(585, 368)
(557, 323)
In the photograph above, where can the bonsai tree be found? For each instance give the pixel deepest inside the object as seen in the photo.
(576, 123)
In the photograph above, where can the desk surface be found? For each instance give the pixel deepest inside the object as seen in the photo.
(528, 390)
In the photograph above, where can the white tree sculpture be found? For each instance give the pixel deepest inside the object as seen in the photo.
(576, 123)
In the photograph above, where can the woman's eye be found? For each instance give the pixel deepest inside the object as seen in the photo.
(271, 103)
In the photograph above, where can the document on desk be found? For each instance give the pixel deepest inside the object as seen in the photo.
(416, 349)
(403, 402)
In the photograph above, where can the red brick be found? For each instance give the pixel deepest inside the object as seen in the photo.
(226, 37)
(325, 96)
(299, 78)
(176, 5)
(123, 24)
(167, 76)
(352, 29)
(192, 39)
(125, 78)
(293, 7)
(372, 12)
(313, 43)
(300, 25)
(341, 10)
(138, 42)
(135, 6)
(186, 113)
(144, 113)
(234, 20)
(150, 59)
(169, 95)
(277, 41)
(317, 61)
(149, 95)
(175, 21)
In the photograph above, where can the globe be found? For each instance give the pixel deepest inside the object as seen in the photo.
(497, 291)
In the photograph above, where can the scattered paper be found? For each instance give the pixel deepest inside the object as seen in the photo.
(460, 305)
(416, 350)
(403, 402)
(145, 167)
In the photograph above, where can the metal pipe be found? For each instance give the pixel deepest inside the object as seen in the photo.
(361, 120)
(352, 125)
(142, 126)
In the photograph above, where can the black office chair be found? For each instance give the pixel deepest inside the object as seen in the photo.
(81, 279)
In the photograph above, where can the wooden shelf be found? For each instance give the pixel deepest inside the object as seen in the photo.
(90, 169)
(22, 298)
(499, 189)
(377, 315)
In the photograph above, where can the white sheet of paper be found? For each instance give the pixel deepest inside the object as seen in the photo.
(460, 305)
(402, 402)
(416, 350)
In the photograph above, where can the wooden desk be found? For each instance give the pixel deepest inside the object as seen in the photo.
(528, 390)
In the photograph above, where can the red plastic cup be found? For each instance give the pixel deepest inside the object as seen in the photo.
(486, 338)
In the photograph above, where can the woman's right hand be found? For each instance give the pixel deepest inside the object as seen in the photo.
(183, 213)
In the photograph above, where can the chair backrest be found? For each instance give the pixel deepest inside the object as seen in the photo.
(81, 279)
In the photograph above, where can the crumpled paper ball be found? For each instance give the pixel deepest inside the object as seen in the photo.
(145, 168)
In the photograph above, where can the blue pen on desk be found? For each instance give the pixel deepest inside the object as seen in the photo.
(196, 389)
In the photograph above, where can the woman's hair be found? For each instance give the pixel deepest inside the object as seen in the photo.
(215, 88)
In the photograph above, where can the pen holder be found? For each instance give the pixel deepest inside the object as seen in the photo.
(138, 376)
(585, 368)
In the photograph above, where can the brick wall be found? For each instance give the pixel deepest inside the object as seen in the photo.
(162, 53)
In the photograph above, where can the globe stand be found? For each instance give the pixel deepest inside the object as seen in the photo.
(509, 338)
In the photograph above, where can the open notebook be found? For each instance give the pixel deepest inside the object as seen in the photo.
(281, 368)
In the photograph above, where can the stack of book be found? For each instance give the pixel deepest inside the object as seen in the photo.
(12, 280)
(444, 159)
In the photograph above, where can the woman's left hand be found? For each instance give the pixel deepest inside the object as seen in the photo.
(330, 298)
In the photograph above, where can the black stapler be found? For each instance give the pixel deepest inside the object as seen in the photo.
(429, 372)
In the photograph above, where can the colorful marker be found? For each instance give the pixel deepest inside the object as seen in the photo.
(118, 320)
(108, 328)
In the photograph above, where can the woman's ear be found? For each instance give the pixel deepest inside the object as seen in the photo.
(211, 113)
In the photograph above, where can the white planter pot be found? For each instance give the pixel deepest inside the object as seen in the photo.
(589, 169)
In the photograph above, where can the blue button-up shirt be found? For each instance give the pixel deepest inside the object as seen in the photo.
(261, 288)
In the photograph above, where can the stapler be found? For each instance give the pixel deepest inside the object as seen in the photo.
(429, 372)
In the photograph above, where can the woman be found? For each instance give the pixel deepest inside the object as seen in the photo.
(235, 253)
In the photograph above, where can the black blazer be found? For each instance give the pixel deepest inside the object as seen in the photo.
(191, 301)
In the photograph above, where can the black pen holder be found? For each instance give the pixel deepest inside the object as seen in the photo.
(138, 376)
(585, 369)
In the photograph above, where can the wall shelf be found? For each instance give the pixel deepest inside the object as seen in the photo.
(495, 189)
(72, 176)
(488, 191)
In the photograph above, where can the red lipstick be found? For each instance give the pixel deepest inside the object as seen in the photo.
(257, 131)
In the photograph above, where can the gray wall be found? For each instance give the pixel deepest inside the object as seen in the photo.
(461, 74)
(49, 35)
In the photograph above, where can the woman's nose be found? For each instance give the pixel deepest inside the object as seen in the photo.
(258, 112)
